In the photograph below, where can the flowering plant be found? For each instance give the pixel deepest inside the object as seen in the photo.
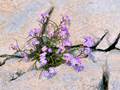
(49, 46)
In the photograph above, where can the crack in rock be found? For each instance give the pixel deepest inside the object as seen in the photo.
(104, 84)
(16, 75)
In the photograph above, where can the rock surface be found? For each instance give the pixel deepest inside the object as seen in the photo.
(89, 17)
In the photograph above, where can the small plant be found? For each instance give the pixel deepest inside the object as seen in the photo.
(49, 46)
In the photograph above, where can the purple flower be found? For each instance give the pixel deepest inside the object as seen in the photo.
(64, 33)
(43, 17)
(67, 42)
(44, 48)
(76, 64)
(78, 60)
(50, 50)
(68, 57)
(88, 41)
(37, 30)
(34, 32)
(43, 56)
(73, 61)
(43, 60)
(66, 20)
(60, 49)
(78, 68)
(35, 42)
(46, 74)
(87, 51)
(31, 33)
(50, 73)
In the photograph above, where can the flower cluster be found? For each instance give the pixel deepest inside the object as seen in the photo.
(75, 62)
(50, 73)
(49, 46)
(88, 42)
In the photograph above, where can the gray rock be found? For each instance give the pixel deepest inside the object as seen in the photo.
(66, 79)
(89, 17)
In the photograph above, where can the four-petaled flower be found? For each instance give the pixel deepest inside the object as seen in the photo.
(66, 20)
(35, 32)
(67, 42)
(75, 62)
(50, 73)
(43, 17)
(61, 49)
(88, 41)
(50, 50)
(64, 33)
(35, 42)
(67, 57)
(43, 60)
(78, 68)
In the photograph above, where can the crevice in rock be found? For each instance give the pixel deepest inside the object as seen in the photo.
(104, 84)
(16, 75)
(95, 46)
(8, 57)
(111, 47)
